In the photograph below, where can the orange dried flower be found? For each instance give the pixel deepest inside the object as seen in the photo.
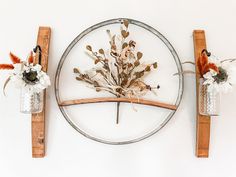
(6, 66)
(31, 58)
(14, 58)
(204, 66)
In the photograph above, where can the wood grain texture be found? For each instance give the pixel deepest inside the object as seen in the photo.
(38, 120)
(114, 99)
(203, 122)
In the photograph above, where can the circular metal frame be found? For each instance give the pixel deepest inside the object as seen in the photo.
(94, 27)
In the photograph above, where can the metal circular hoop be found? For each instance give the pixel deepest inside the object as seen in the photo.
(94, 27)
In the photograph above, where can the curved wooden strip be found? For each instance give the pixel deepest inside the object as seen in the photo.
(111, 99)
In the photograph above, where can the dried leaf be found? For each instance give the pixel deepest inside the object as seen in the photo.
(136, 63)
(119, 90)
(124, 33)
(79, 78)
(88, 47)
(124, 82)
(155, 65)
(130, 65)
(106, 60)
(148, 87)
(148, 68)
(113, 47)
(95, 83)
(124, 45)
(101, 51)
(139, 74)
(114, 54)
(96, 61)
(132, 43)
(98, 89)
(139, 55)
(101, 72)
(113, 39)
(126, 23)
(76, 70)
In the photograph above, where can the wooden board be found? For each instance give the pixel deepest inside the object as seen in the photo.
(203, 122)
(38, 120)
(121, 99)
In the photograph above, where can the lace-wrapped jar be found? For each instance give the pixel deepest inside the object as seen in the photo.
(209, 102)
(31, 102)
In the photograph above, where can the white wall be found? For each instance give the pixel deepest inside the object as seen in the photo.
(171, 151)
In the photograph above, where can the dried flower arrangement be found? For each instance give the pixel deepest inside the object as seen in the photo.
(25, 74)
(119, 70)
(218, 75)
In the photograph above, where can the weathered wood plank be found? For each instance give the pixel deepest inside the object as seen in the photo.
(38, 120)
(203, 122)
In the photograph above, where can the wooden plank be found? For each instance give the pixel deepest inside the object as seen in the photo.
(120, 99)
(203, 122)
(38, 120)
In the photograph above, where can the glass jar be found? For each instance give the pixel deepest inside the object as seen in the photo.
(208, 102)
(31, 102)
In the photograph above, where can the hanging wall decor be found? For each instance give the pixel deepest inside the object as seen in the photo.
(213, 76)
(119, 60)
(31, 78)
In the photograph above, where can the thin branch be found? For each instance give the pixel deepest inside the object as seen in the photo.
(230, 60)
